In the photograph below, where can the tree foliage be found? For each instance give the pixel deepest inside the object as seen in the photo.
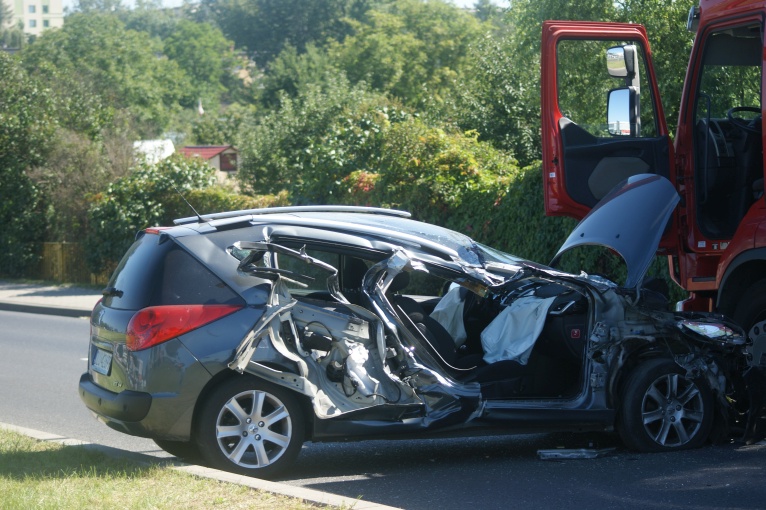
(404, 103)
(295, 147)
(76, 169)
(203, 53)
(265, 27)
(120, 65)
(292, 72)
(411, 49)
(496, 102)
(344, 145)
(11, 36)
(6, 14)
(103, 6)
(219, 127)
(149, 16)
(26, 129)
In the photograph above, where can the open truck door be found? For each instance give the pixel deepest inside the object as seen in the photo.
(602, 120)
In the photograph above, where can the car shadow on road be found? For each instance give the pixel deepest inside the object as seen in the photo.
(491, 472)
(345, 459)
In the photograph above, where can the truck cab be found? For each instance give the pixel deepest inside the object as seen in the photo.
(603, 121)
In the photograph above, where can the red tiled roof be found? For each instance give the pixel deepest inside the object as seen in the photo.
(204, 151)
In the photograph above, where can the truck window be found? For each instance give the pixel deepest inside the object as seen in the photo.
(584, 86)
(727, 129)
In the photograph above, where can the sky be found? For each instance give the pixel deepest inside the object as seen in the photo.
(175, 3)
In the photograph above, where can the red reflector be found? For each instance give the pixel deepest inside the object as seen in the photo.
(157, 324)
(575, 333)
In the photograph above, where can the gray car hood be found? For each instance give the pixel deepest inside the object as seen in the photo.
(630, 220)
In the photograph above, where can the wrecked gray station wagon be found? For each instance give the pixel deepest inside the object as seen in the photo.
(236, 337)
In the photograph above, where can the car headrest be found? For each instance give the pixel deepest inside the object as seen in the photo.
(353, 273)
(400, 282)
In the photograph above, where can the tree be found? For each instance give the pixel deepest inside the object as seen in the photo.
(291, 72)
(121, 66)
(494, 100)
(265, 27)
(6, 14)
(485, 10)
(78, 168)
(309, 142)
(26, 129)
(219, 128)
(11, 36)
(99, 6)
(149, 16)
(414, 50)
(203, 53)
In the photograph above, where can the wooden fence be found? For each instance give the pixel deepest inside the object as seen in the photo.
(65, 263)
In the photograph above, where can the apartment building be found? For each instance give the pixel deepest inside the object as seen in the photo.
(37, 15)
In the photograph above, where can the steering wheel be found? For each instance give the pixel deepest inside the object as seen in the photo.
(750, 126)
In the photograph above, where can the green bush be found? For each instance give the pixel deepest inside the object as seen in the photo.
(151, 196)
(308, 145)
(216, 199)
(438, 175)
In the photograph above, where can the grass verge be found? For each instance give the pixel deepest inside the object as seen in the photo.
(41, 475)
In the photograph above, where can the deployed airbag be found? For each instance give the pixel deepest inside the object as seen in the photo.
(449, 313)
(513, 333)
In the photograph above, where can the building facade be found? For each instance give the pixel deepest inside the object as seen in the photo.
(37, 15)
(221, 157)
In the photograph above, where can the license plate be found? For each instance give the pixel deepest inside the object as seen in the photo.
(102, 362)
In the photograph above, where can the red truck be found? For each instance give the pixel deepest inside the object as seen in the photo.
(602, 121)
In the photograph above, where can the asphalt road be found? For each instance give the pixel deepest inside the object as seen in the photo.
(42, 357)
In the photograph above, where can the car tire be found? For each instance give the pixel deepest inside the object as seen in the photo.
(250, 427)
(662, 410)
(751, 307)
(185, 450)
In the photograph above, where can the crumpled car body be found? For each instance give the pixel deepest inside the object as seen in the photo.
(336, 323)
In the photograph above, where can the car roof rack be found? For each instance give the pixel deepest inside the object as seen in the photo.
(293, 209)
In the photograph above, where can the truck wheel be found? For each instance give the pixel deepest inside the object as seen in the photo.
(250, 427)
(662, 410)
(751, 307)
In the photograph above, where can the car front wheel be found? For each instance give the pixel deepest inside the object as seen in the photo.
(663, 410)
(250, 427)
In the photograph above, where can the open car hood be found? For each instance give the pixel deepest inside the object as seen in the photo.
(630, 220)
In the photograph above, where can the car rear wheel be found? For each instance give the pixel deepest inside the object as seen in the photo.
(250, 427)
(662, 410)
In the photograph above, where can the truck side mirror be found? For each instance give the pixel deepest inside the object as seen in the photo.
(622, 62)
(615, 62)
(622, 112)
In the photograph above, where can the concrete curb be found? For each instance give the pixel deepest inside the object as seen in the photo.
(307, 495)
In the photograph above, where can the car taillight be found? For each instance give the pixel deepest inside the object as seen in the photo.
(157, 324)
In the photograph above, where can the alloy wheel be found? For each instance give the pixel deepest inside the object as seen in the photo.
(253, 429)
(672, 410)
